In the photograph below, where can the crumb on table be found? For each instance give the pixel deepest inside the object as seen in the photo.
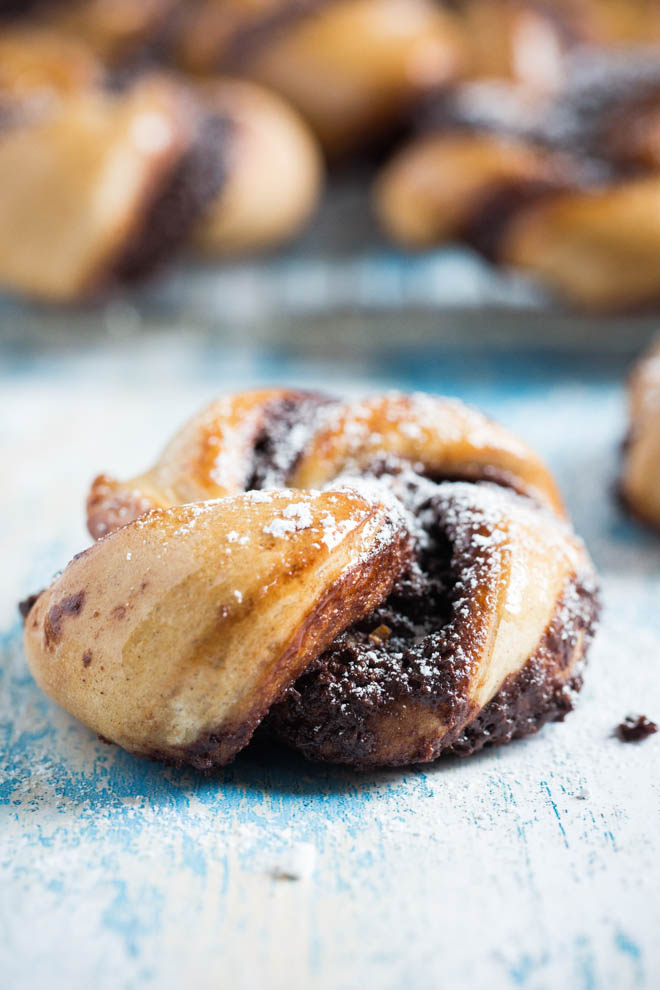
(635, 727)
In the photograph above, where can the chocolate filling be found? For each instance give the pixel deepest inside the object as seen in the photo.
(182, 201)
(288, 425)
(412, 650)
(402, 651)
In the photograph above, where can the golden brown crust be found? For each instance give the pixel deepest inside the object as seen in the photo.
(210, 457)
(259, 205)
(175, 634)
(446, 437)
(79, 184)
(213, 454)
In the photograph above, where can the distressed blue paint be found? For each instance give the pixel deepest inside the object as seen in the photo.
(585, 964)
(546, 787)
(133, 920)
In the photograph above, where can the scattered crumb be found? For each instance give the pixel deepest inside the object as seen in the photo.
(295, 863)
(583, 794)
(635, 727)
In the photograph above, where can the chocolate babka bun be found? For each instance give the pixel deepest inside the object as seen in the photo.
(639, 486)
(478, 633)
(105, 185)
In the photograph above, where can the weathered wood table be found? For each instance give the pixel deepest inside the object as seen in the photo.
(534, 866)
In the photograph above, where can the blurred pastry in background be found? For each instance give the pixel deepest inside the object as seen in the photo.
(11, 9)
(440, 187)
(526, 40)
(103, 186)
(401, 562)
(539, 146)
(353, 68)
(640, 483)
(563, 185)
(273, 176)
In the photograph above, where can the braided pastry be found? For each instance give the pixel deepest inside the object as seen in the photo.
(562, 187)
(100, 186)
(320, 569)
(640, 484)
(103, 186)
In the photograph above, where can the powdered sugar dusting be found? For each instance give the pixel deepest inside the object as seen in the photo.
(439, 621)
(294, 518)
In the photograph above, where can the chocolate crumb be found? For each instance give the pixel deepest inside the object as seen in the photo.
(635, 728)
(87, 658)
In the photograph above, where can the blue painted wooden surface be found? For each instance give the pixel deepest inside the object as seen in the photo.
(533, 866)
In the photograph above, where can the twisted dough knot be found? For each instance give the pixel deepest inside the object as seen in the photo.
(401, 560)
(559, 184)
